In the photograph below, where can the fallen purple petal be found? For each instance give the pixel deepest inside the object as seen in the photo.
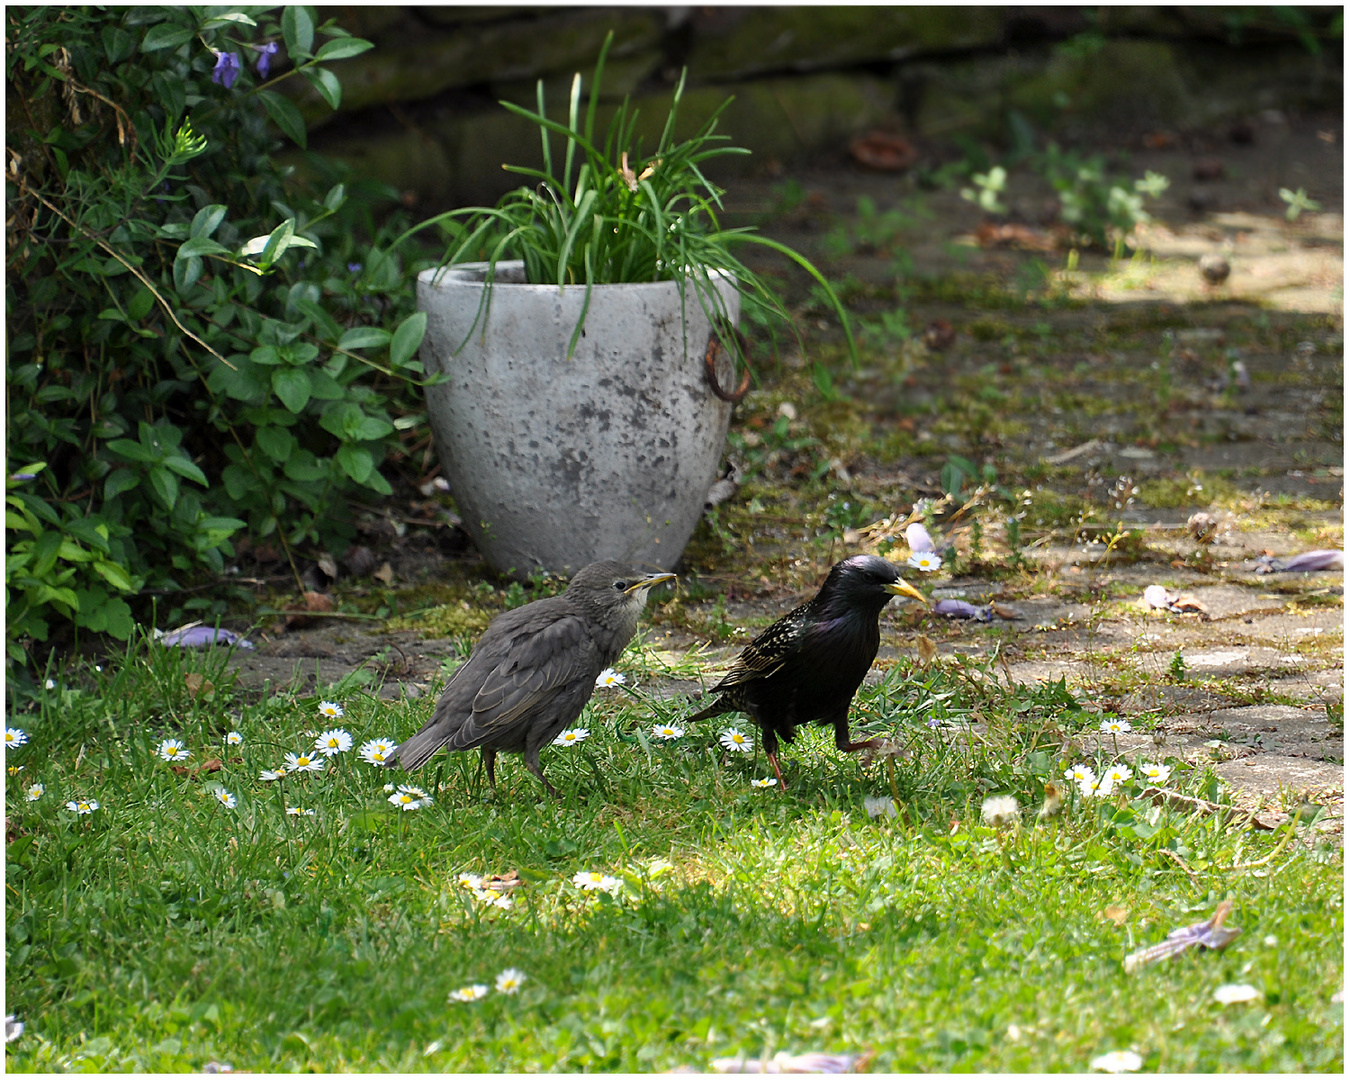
(1309, 561)
(959, 609)
(783, 1062)
(1210, 934)
(193, 637)
(1155, 596)
(916, 536)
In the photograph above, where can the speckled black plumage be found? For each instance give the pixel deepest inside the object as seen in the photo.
(533, 670)
(807, 666)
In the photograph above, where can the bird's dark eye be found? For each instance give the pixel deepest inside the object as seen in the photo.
(621, 585)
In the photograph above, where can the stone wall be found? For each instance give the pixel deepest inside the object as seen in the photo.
(420, 110)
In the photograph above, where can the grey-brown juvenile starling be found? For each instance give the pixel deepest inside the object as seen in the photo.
(533, 670)
(807, 666)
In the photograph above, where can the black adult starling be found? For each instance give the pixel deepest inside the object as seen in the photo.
(534, 669)
(807, 666)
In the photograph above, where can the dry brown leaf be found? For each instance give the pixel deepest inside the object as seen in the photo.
(198, 685)
(1115, 913)
(385, 573)
(927, 650)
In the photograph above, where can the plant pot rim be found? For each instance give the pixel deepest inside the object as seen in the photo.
(512, 272)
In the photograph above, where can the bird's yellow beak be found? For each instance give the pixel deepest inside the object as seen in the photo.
(904, 588)
(649, 581)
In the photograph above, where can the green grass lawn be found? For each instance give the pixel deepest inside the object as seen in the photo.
(166, 929)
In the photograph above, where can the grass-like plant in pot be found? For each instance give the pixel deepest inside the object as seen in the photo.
(586, 329)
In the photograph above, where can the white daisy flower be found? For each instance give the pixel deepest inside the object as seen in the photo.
(273, 774)
(999, 810)
(1092, 787)
(224, 798)
(665, 731)
(34, 793)
(927, 561)
(571, 737)
(82, 806)
(234, 739)
(1236, 994)
(1155, 774)
(304, 762)
(589, 880)
(388, 788)
(1117, 775)
(331, 709)
(377, 751)
(736, 740)
(298, 811)
(469, 993)
(1079, 773)
(1118, 1061)
(469, 881)
(609, 677)
(174, 750)
(15, 737)
(766, 782)
(492, 897)
(408, 797)
(332, 742)
(508, 982)
(1116, 727)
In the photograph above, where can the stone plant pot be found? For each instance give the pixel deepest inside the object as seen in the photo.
(555, 463)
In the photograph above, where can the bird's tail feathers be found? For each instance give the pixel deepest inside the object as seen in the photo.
(715, 709)
(417, 751)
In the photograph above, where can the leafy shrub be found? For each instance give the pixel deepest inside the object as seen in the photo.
(194, 347)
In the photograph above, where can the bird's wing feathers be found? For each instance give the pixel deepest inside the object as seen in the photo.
(767, 653)
(533, 665)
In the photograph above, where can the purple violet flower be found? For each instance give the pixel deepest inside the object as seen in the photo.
(265, 54)
(228, 66)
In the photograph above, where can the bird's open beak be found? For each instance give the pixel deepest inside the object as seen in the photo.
(649, 581)
(904, 588)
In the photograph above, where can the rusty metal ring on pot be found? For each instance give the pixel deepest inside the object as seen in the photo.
(710, 366)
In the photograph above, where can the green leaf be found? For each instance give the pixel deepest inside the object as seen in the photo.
(131, 450)
(165, 485)
(200, 245)
(304, 467)
(114, 575)
(118, 620)
(44, 552)
(341, 48)
(407, 338)
(284, 114)
(326, 83)
(277, 243)
(207, 220)
(324, 323)
(378, 483)
(356, 462)
(336, 196)
(166, 36)
(292, 386)
(269, 355)
(324, 387)
(341, 419)
(187, 469)
(365, 337)
(238, 481)
(276, 442)
(138, 307)
(372, 428)
(119, 480)
(186, 272)
(297, 26)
